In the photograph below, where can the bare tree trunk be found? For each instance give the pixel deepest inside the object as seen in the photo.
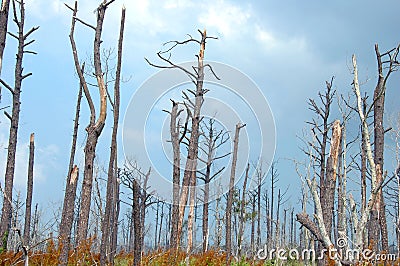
(229, 201)
(161, 225)
(191, 212)
(259, 184)
(378, 213)
(191, 160)
(242, 213)
(136, 216)
(106, 256)
(68, 215)
(95, 127)
(29, 190)
(274, 179)
(330, 180)
(253, 221)
(176, 175)
(70, 190)
(114, 232)
(342, 176)
(6, 213)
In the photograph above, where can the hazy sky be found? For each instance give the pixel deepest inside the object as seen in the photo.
(288, 48)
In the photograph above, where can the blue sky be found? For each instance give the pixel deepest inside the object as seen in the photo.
(288, 48)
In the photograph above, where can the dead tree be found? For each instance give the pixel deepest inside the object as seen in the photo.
(378, 214)
(274, 180)
(29, 190)
(242, 213)
(229, 201)
(194, 112)
(213, 140)
(96, 125)
(260, 177)
(4, 11)
(360, 222)
(136, 181)
(107, 255)
(323, 214)
(15, 91)
(176, 174)
(67, 215)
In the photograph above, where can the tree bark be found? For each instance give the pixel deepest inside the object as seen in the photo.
(242, 213)
(229, 201)
(176, 175)
(191, 160)
(107, 255)
(68, 215)
(378, 215)
(330, 180)
(137, 249)
(29, 190)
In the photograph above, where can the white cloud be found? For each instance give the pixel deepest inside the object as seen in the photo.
(227, 19)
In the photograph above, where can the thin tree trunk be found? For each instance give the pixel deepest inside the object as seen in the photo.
(229, 202)
(242, 213)
(136, 216)
(70, 192)
(29, 190)
(191, 213)
(106, 256)
(175, 140)
(253, 221)
(259, 207)
(6, 213)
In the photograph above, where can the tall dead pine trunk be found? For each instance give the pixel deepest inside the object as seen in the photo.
(137, 241)
(330, 180)
(378, 214)
(229, 201)
(95, 127)
(107, 255)
(67, 216)
(242, 212)
(29, 190)
(21, 37)
(175, 140)
(191, 160)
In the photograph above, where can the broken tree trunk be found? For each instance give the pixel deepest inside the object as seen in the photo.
(29, 190)
(107, 255)
(67, 216)
(229, 201)
(191, 160)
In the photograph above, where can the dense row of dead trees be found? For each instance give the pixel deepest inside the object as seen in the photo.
(331, 168)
